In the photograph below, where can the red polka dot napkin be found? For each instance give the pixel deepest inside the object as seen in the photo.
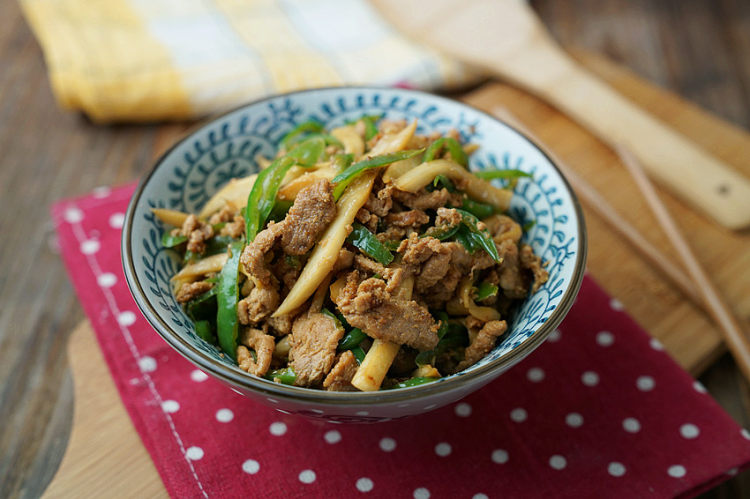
(598, 410)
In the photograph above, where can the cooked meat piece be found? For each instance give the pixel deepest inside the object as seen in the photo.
(433, 270)
(424, 200)
(344, 260)
(235, 228)
(391, 233)
(503, 227)
(263, 344)
(447, 217)
(412, 219)
(533, 263)
(393, 275)
(258, 305)
(313, 345)
(253, 256)
(436, 296)
(428, 258)
(313, 209)
(197, 233)
(367, 219)
(281, 325)
(191, 290)
(368, 305)
(380, 203)
(226, 214)
(512, 280)
(483, 343)
(288, 268)
(342, 373)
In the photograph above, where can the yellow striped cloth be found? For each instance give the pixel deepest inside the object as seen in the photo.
(143, 60)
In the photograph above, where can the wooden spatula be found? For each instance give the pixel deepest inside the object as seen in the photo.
(506, 38)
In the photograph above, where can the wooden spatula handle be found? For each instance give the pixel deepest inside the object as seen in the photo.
(700, 178)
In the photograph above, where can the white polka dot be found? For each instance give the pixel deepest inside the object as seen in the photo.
(307, 476)
(126, 318)
(116, 220)
(147, 364)
(698, 386)
(676, 471)
(745, 433)
(616, 304)
(387, 444)
(278, 428)
(631, 425)
(616, 469)
(428, 407)
(645, 383)
(364, 484)
(224, 415)
(273, 401)
(282, 411)
(443, 449)
(463, 409)
(733, 471)
(401, 406)
(535, 374)
(656, 344)
(480, 496)
(590, 378)
(554, 336)
(518, 415)
(499, 456)
(198, 376)
(101, 191)
(73, 215)
(689, 430)
(316, 411)
(170, 406)
(605, 338)
(557, 462)
(251, 466)
(421, 493)
(106, 280)
(574, 420)
(362, 413)
(194, 453)
(90, 247)
(332, 437)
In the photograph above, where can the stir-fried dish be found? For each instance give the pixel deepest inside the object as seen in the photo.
(366, 257)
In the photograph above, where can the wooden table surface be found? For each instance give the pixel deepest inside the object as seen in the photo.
(697, 49)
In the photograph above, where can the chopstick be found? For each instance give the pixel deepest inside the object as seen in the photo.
(597, 203)
(717, 308)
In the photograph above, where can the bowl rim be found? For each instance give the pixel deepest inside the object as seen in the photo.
(331, 398)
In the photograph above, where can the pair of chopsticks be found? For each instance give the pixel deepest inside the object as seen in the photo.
(698, 286)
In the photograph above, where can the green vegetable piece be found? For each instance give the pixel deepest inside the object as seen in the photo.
(414, 382)
(170, 241)
(217, 244)
(280, 209)
(453, 146)
(528, 225)
(369, 244)
(352, 339)
(203, 307)
(226, 300)
(424, 358)
(342, 161)
(498, 173)
(392, 245)
(189, 257)
(371, 130)
(485, 290)
(204, 331)
(464, 237)
(309, 151)
(286, 376)
(442, 232)
(479, 210)
(333, 316)
(262, 196)
(359, 354)
(445, 182)
(344, 178)
(481, 238)
(311, 126)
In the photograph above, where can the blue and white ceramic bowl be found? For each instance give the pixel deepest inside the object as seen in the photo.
(186, 176)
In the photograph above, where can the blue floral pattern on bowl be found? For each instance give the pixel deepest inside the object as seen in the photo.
(193, 170)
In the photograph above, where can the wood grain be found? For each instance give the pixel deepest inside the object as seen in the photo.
(698, 49)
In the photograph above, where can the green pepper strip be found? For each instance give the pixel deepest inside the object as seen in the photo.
(286, 376)
(480, 237)
(371, 129)
(170, 241)
(369, 244)
(485, 290)
(479, 210)
(529, 225)
(359, 354)
(279, 210)
(413, 382)
(200, 307)
(445, 182)
(352, 339)
(347, 176)
(342, 161)
(309, 151)
(453, 146)
(311, 126)
(262, 196)
(497, 173)
(204, 331)
(227, 298)
(442, 232)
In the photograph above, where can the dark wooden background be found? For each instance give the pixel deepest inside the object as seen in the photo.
(697, 48)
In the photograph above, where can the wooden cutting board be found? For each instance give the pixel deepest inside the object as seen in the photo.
(105, 456)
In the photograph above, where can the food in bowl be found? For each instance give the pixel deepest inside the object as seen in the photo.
(366, 257)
